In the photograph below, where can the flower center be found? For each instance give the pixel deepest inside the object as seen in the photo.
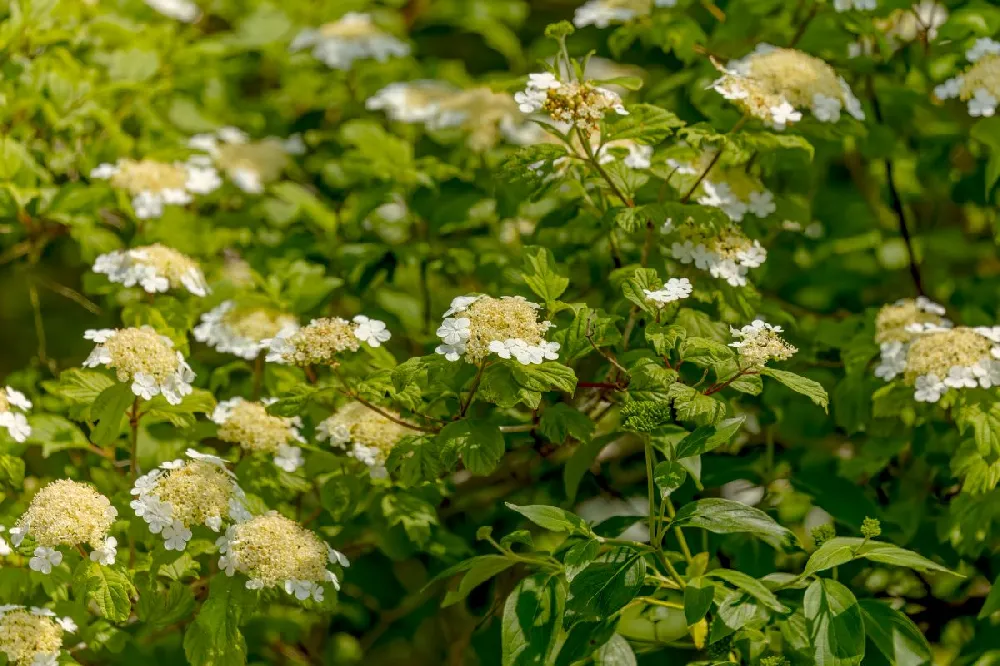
(250, 426)
(501, 319)
(141, 350)
(273, 549)
(984, 74)
(24, 635)
(148, 176)
(937, 353)
(257, 323)
(266, 158)
(796, 75)
(197, 491)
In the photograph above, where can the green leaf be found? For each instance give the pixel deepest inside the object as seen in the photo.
(726, 516)
(12, 471)
(836, 628)
(109, 589)
(500, 385)
(664, 338)
(807, 387)
(478, 572)
(708, 438)
(644, 123)
(694, 407)
(480, 444)
(214, 638)
(532, 621)
(992, 603)
(669, 476)
(541, 276)
(608, 584)
(552, 518)
(561, 421)
(109, 408)
(616, 652)
(547, 376)
(840, 550)
(161, 608)
(706, 352)
(633, 288)
(573, 338)
(751, 586)
(584, 639)
(698, 597)
(80, 385)
(55, 433)
(895, 635)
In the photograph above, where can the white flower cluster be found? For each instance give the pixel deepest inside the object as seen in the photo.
(438, 105)
(163, 515)
(32, 636)
(353, 37)
(250, 164)
(772, 84)
(507, 327)
(181, 10)
(155, 268)
(895, 343)
(720, 195)
(674, 289)
(573, 104)
(273, 551)
(144, 358)
(257, 430)
(323, 338)
(979, 85)
(242, 333)
(155, 184)
(932, 355)
(859, 5)
(759, 342)
(602, 13)
(637, 155)
(13, 407)
(730, 256)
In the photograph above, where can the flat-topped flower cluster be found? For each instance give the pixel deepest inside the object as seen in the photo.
(476, 326)
(932, 355)
(774, 84)
(145, 358)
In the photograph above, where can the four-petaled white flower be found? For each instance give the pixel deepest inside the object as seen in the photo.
(45, 558)
(371, 331)
(983, 104)
(176, 536)
(105, 555)
(289, 458)
(929, 388)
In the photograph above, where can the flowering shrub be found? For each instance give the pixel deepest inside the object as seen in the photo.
(498, 332)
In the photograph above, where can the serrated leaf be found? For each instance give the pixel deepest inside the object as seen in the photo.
(109, 589)
(479, 444)
(803, 385)
(541, 276)
(547, 376)
(644, 123)
(669, 476)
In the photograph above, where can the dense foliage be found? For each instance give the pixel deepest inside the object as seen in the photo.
(499, 332)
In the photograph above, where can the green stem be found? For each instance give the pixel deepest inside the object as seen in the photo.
(472, 391)
(650, 461)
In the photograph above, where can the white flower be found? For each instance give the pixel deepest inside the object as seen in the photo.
(961, 377)
(460, 304)
(454, 331)
(44, 559)
(182, 10)
(983, 104)
(929, 388)
(17, 399)
(762, 203)
(289, 458)
(176, 536)
(982, 47)
(353, 37)
(105, 555)
(892, 361)
(16, 424)
(451, 352)
(950, 89)
(371, 331)
(300, 589)
(825, 108)
(601, 13)
(67, 623)
(45, 659)
(674, 290)
(783, 114)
